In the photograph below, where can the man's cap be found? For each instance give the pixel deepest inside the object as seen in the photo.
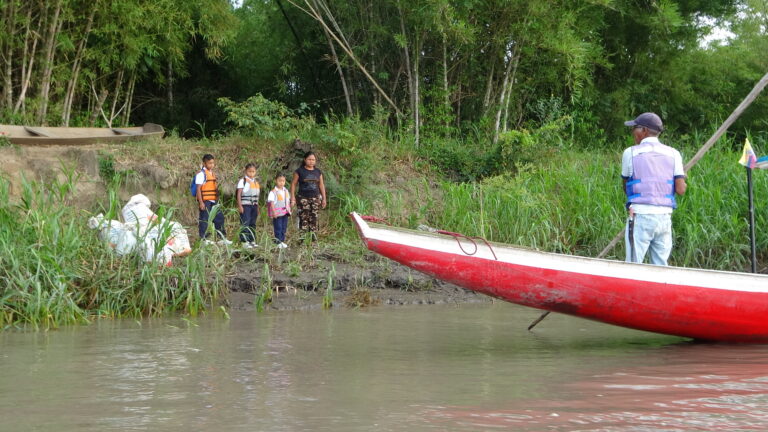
(648, 120)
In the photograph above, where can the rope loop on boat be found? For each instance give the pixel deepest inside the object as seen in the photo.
(374, 219)
(457, 236)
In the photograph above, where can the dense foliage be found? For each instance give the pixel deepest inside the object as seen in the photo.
(441, 69)
(82, 62)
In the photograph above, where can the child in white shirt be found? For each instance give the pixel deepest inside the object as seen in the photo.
(279, 210)
(248, 206)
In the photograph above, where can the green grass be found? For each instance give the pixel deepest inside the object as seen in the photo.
(575, 205)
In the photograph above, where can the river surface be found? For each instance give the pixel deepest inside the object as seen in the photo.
(422, 368)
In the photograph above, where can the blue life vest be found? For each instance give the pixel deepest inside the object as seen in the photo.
(653, 175)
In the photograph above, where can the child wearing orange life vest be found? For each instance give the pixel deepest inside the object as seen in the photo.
(279, 210)
(248, 206)
(207, 195)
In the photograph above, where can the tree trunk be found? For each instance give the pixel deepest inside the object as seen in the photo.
(376, 96)
(489, 88)
(408, 74)
(320, 5)
(50, 52)
(97, 108)
(129, 99)
(416, 91)
(10, 25)
(502, 100)
(72, 85)
(23, 78)
(347, 49)
(446, 94)
(170, 85)
(510, 84)
(458, 105)
(340, 71)
(309, 63)
(116, 97)
(20, 102)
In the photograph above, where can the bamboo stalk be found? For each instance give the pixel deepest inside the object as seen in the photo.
(339, 70)
(48, 57)
(69, 97)
(317, 16)
(10, 25)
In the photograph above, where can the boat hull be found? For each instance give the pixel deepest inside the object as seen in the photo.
(35, 136)
(660, 301)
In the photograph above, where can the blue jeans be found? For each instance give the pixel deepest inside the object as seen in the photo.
(218, 220)
(248, 223)
(651, 232)
(280, 224)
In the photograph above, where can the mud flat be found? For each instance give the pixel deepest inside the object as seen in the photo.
(378, 285)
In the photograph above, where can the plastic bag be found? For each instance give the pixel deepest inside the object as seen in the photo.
(150, 229)
(137, 214)
(114, 233)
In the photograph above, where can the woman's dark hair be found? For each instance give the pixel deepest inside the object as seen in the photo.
(308, 154)
(249, 165)
(207, 157)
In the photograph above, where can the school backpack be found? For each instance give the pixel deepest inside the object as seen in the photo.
(193, 185)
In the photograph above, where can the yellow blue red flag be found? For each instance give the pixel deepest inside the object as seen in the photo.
(748, 157)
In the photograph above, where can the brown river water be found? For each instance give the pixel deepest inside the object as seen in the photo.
(420, 368)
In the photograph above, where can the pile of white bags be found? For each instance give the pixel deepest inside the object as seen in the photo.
(155, 238)
(114, 233)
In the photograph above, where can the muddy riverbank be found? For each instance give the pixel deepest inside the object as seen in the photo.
(376, 283)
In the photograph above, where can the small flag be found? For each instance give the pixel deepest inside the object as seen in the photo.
(748, 157)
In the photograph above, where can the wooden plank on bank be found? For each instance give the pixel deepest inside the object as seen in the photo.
(127, 131)
(39, 132)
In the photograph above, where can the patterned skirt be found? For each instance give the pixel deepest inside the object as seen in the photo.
(309, 208)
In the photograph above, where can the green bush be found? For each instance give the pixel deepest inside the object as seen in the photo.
(261, 117)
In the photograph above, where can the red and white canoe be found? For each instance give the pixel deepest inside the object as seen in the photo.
(701, 304)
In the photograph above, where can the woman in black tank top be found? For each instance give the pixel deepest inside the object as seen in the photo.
(310, 197)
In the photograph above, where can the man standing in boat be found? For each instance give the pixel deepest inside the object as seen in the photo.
(652, 174)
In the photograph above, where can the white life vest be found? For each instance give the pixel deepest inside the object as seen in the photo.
(278, 207)
(250, 194)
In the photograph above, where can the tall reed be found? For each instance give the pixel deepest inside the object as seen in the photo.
(56, 271)
(575, 205)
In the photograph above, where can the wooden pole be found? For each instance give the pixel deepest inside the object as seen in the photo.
(694, 160)
(750, 194)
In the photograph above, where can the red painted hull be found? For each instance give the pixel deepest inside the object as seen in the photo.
(700, 304)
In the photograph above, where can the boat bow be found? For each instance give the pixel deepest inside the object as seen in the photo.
(701, 304)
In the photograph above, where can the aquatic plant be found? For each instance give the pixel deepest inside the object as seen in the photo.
(328, 296)
(264, 295)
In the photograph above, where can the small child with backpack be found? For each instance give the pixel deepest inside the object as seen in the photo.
(205, 189)
(279, 210)
(248, 206)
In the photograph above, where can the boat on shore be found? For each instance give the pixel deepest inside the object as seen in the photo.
(707, 305)
(43, 135)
